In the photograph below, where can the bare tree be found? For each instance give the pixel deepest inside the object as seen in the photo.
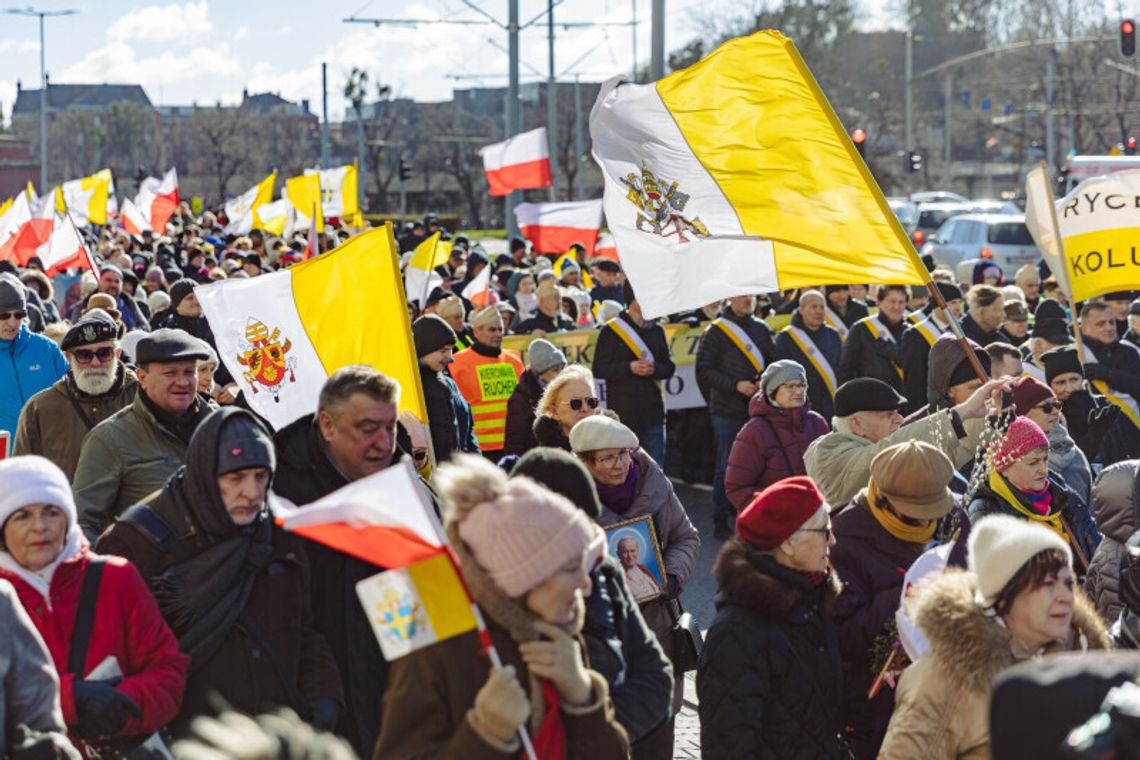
(380, 126)
(224, 139)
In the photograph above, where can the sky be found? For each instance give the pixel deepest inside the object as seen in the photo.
(204, 51)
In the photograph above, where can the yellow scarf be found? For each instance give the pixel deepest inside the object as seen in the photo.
(912, 534)
(1002, 490)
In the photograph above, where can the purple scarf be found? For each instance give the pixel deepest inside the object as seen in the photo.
(620, 498)
(1040, 502)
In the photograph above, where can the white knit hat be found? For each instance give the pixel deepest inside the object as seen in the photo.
(599, 431)
(1000, 545)
(33, 479)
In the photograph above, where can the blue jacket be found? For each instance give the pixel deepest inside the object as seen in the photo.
(28, 364)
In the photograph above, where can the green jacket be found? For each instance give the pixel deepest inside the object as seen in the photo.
(124, 459)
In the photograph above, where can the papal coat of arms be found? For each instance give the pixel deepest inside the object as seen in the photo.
(264, 357)
(660, 206)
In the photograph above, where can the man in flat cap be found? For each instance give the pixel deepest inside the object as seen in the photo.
(131, 454)
(97, 384)
(487, 374)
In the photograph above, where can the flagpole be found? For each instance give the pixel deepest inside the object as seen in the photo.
(82, 243)
(1061, 259)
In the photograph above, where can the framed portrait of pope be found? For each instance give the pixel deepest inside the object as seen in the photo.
(634, 544)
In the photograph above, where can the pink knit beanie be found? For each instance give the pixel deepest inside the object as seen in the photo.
(1023, 436)
(519, 532)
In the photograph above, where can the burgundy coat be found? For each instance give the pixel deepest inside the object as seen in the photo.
(770, 447)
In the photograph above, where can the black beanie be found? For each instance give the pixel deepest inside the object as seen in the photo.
(1049, 309)
(627, 292)
(179, 290)
(964, 372)
(950, 291)
(431, 333)
(243, 443)
(1058, 361)
(562, 473)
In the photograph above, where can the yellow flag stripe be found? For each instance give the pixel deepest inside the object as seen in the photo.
(443, 597)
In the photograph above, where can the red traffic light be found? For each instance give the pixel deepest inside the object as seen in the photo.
(1127, 38)
(858, 136)
(1127, 27)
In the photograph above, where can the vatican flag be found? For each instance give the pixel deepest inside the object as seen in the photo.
(304, 193)
(242, 210)
(85, 199)
(733, 177)
(338, 192)
(282, 334)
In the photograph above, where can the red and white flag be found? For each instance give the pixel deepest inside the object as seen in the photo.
(158, 199)
(553, 227)
(133, 220)
(607, 247)
(65, 249)
(478, 291)
(520, 163)
(31, 231)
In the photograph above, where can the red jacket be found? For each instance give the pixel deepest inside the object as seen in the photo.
(127, 625)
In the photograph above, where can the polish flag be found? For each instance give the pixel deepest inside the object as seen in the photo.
(607, 247)
(520, 163)
(553, 227)
(65, 249)
(158, 199)
(31, 232)
(133, 220)
(478, 291)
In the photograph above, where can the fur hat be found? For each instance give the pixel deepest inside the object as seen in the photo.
(1000, 545)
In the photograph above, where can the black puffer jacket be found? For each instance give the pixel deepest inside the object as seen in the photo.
(721, 365)
(770, 682)
(520, 415)
(637, 400)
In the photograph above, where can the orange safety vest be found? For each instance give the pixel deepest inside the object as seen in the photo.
(486, 382)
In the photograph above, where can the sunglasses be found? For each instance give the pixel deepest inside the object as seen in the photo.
(85, 355)
(577, 403)
(5, 316)
(1050, 406)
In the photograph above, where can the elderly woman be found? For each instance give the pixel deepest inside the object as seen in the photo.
(120, 672)
(630, 485)
(1017, 601)
(567, 399)
(772, 443)
(526, 555)
(770, 682)
(1020, 484)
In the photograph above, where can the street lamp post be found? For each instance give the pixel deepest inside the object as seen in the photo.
(43, 83)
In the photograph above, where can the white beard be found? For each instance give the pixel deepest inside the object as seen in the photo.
(95, 382)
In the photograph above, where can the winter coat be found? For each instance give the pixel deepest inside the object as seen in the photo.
(975, 332)
(855, 311)
(1100, 428)
(915, 360)
(864, 355)
(278, 605)
(520, 414)
(769, 447)
(29, 694)
(124, 459)
(548, 432)
(51, 427)
(770, 681)
(431, 691)
(449, 415)
(1121, 363)
(540, 321)
(1116, 519)
(942, 701)
(28, 364)
(680, 543)
(721, 365)
(639, 401)
(826, 342)
(840, 463)
(1085, 536)
(871, 563)
(625, 652)
(126, 625)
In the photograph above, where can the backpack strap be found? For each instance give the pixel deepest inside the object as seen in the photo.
(155, 529)
(85, 617)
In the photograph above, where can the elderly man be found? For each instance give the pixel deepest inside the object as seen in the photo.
(920, 336)
(986, 314)
(867, 420)
(549, 317)
(28, 362)
(1015, 328)
(111, 283)
(1048, 333)
(816, 347)
(1111, 367)
(130, 455)
(97, 384)
(1029, 280)
(487, 374)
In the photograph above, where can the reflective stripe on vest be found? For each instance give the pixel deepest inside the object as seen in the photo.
(486, 382)
(742, 341)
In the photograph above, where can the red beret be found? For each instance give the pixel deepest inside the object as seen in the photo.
(1028, 392)
(778, 511)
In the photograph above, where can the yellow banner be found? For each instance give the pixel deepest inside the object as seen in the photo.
(1103, 261)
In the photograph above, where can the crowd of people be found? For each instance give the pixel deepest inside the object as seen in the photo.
(148, 586)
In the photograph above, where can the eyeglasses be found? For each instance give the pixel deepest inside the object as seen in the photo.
(1050, 406)
(795, 385)
(825, 532)
(576, 403)
(609, 460)
(85, 355)
(5, 316)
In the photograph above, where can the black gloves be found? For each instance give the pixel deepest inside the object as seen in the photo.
(1101, 418)
(101, 708)
(1096, 371)
(323, 713)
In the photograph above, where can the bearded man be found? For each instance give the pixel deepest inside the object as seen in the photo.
(54, 421)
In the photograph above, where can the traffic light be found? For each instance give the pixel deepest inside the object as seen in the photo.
(405, 170)
(1130, 146)
(914, 162)
(1127, 38)
(859, 137)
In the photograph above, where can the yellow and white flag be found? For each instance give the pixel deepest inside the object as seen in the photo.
(1092, 249)
(733, 177)
(242, 210)
(85, 199)
(304, 193)
(282, 334)
(338, 191)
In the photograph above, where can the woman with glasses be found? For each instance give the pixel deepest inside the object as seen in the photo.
(28, 362)
(1037, 401)
(771, 445)
(569, 398)
(905, 509)
(770, 682)
(630, 485)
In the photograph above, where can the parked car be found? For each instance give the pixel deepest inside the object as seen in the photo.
(929, 217)
(906, 211)
(1002, 238)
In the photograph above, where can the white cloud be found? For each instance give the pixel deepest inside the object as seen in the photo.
(285, 29)
(159, 23)
(7, 98)
(118, 62)
(241, 33)
(19, 46)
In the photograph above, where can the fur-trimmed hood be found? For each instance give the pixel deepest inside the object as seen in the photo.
(548, 432)
(45, 290)
(974, 647)
(757, 582)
